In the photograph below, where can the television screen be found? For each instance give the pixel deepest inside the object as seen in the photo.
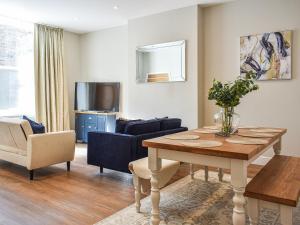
(92, 96)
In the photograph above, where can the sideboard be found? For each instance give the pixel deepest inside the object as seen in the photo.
(86, 121)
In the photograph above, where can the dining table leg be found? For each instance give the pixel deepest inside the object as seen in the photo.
(239, 182)
(192, 173)
(277, 147)
(154, 164)
(220, 174)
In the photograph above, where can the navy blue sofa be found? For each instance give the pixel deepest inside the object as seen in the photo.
(115, 150)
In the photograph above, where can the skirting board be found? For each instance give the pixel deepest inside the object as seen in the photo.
(262, 160)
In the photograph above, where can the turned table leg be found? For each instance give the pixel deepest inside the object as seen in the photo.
(137, 192)
(286, 215)
(220, 174)
(206, 173)
(253, 211)
(154, 166)
(239, 181)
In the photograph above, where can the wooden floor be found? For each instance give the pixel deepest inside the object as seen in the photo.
(56, 197)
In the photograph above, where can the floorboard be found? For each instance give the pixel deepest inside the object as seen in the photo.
(56, 197)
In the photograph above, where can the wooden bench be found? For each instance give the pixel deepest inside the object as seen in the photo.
(276, 186)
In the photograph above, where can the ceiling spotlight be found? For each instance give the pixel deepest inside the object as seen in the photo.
(116, 7)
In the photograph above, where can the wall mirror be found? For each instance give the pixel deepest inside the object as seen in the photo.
(163, 62)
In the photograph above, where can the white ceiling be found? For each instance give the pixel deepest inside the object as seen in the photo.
(81, 16)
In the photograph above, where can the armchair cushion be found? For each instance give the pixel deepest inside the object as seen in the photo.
(37, 128)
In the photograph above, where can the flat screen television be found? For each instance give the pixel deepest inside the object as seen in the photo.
(94, 96)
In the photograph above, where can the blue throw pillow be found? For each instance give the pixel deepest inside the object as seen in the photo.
(37, 128)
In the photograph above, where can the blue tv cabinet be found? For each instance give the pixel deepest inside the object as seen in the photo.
(93, 121)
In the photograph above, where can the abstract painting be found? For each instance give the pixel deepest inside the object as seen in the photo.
(268, 55)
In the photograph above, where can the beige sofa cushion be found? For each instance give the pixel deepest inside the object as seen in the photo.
(13, 135)
(18, 151)
(26, 128)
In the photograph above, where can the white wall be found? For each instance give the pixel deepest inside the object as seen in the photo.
(104, 58)
(212, 36)
(201, 74)
(277, 102)
(72, 67)
(178, 99)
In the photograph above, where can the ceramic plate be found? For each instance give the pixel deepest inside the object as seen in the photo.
(247, 141)
(182, 137)
(202, 143)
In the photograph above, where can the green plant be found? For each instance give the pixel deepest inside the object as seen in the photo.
(228, 95)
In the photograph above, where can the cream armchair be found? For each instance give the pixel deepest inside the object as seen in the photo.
(19, 145)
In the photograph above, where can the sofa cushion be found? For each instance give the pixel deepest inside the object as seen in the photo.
(26, 127)
(13, 150)
(121, 124)
(170, 123)
(12, 133)
(37, 128)
(162, 118)
(142, 127)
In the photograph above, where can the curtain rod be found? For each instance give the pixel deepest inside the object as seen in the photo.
(27, 21)
(51, 26)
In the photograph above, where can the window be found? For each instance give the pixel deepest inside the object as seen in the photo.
(16, 68)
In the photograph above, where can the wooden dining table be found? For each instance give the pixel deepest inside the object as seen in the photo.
(234, 157)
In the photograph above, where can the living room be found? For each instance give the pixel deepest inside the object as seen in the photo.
(108, 179)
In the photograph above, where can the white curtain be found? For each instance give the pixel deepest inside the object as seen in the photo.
(50, 82)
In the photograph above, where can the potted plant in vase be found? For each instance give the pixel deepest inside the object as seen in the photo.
(227, 95)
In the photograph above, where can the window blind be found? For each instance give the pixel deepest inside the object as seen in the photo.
(16, 68)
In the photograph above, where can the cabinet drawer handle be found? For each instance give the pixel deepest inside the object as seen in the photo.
(89, 127)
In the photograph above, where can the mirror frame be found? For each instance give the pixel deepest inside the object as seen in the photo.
(149, 48)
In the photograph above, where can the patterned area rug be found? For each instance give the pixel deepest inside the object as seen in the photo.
(191, 202)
